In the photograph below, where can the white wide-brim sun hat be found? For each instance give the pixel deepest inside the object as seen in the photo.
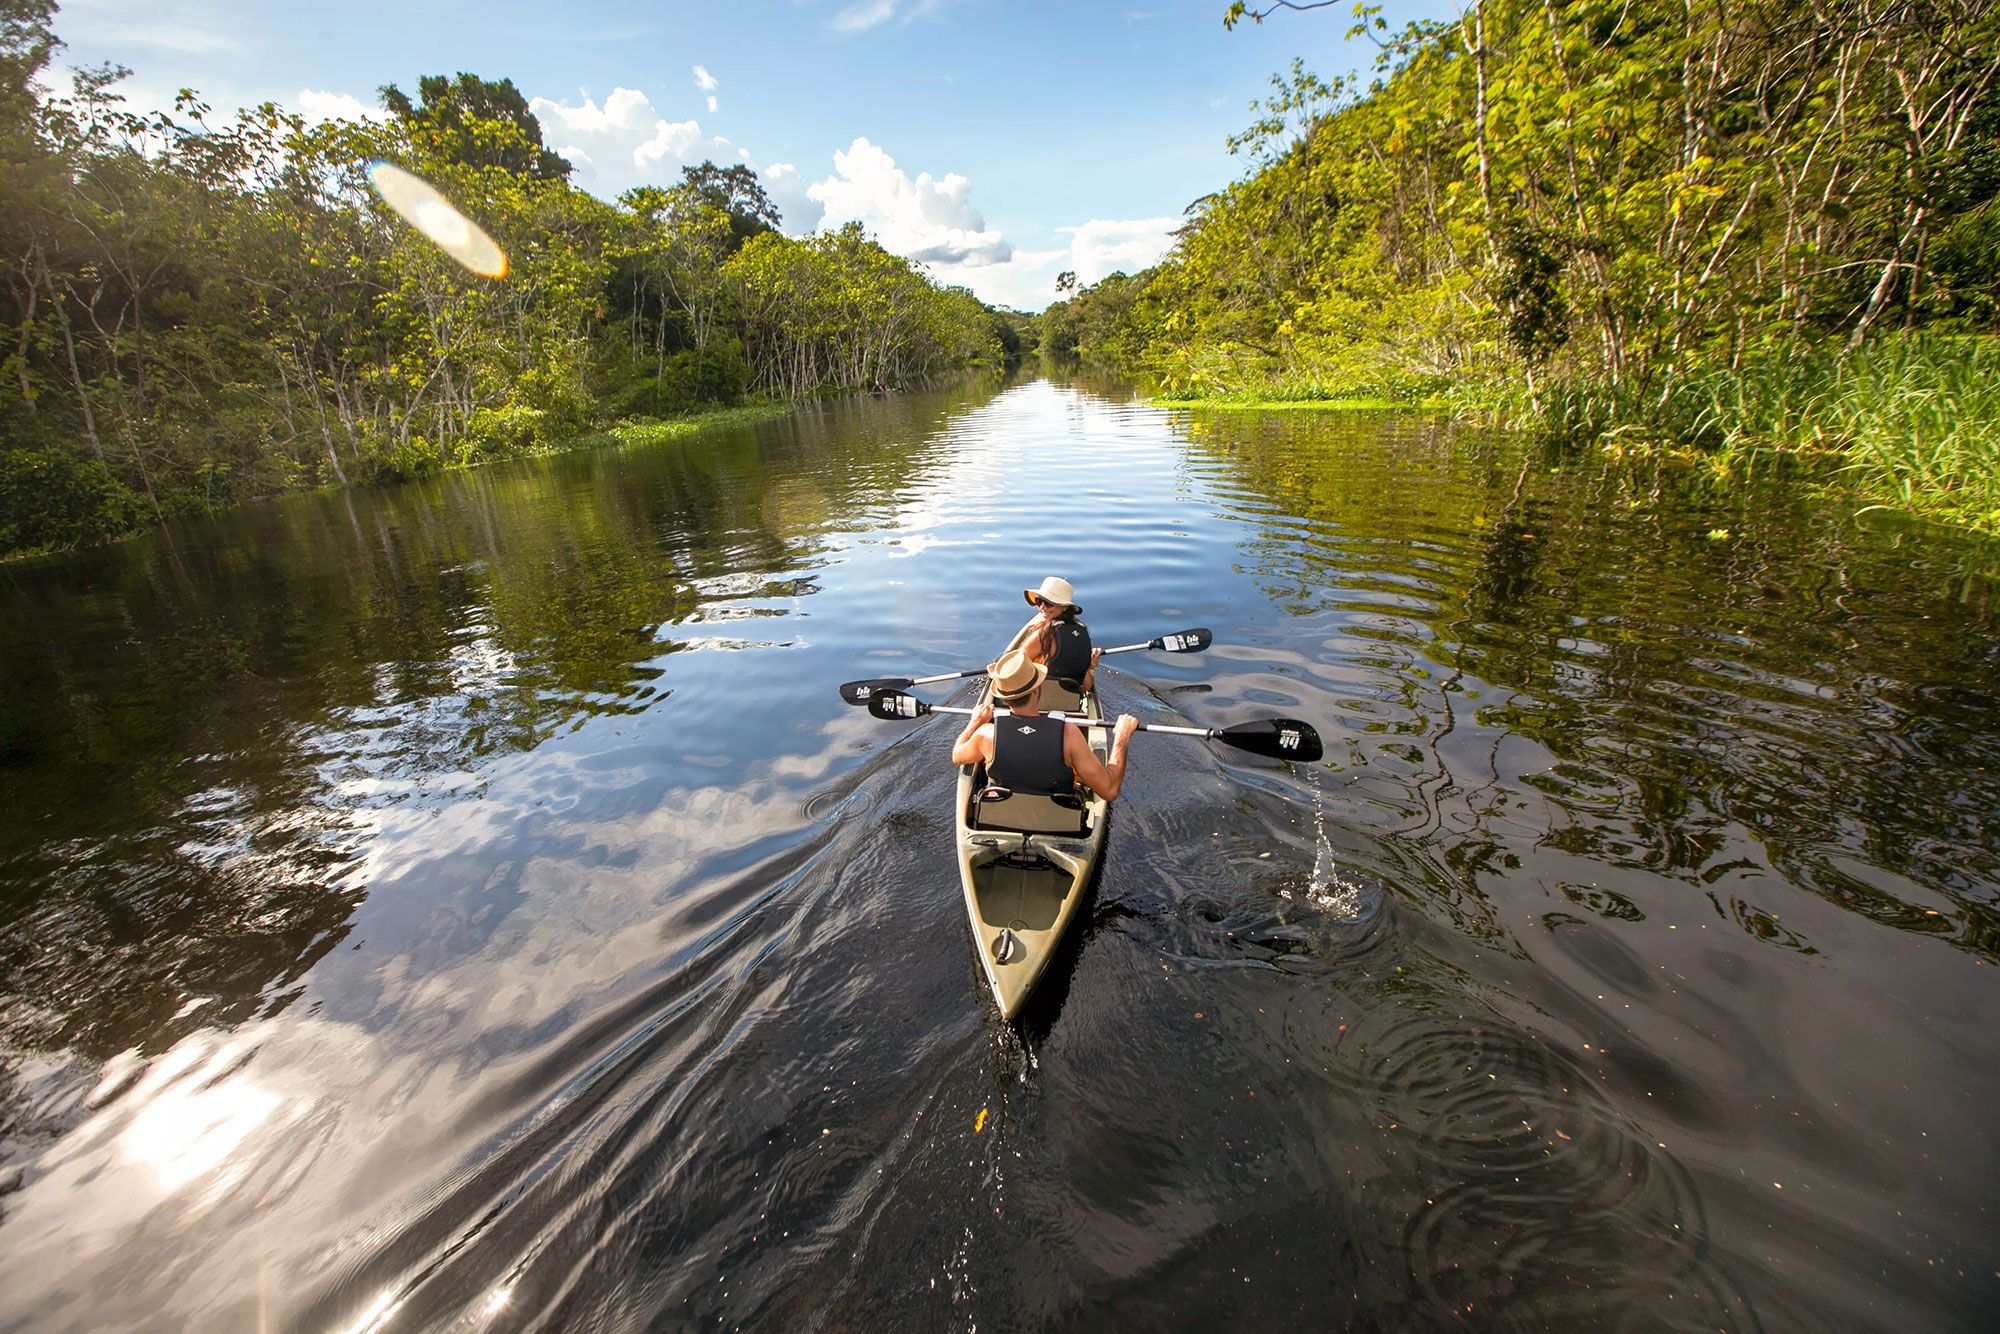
(1053, 590)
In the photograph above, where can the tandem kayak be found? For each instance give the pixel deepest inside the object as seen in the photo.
(1025, 861)
(1025, 864)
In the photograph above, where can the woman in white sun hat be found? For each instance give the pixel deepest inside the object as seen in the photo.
(1055, 637)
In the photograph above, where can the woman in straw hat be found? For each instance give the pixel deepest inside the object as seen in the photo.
(1026, 756)
(1056, 637)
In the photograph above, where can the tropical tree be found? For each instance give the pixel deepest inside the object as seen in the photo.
(475, 122)
(197, 309)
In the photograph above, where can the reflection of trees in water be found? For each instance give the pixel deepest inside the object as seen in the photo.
(194, 731)
(1714, 671)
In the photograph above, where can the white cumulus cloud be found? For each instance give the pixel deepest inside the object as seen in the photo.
(787, 188)
(1027, 281)
(932, 221)
(316, 106)
(1101, 247)
(626, 142)
(927, 219)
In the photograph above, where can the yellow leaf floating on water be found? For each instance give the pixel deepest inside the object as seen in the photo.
(980, 1124)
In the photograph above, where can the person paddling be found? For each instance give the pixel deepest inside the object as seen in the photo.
(1056, 637)
(1023, 753)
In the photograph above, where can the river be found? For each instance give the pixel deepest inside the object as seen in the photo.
(470, 906)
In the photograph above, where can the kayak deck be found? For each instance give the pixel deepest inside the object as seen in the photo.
(1021, 890)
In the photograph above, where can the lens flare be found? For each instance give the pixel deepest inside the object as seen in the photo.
(416, 203)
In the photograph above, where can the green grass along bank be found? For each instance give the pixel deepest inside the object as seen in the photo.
(1908, 421)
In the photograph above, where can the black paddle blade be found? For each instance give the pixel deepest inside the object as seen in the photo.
(859, 692)
(1279, 738)
(895, 704)
(1185, 641)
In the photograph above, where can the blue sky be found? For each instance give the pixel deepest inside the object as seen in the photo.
(1000, 143)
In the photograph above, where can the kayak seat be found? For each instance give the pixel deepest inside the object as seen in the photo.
(995, 807)
(1062, 696)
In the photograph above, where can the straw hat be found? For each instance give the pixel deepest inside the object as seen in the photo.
(1053, 590)
(1016, 676)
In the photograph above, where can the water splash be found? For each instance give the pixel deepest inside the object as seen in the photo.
(1328, 891)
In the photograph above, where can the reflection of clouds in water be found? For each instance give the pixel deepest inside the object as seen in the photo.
(803, 766)
(588, 900)
(216, 815)
(479, 663)
(696, 643)
(184, 1134)
(909, 544)
(728, 612)
(199, 1147)
(206, 1129)
(738, 584)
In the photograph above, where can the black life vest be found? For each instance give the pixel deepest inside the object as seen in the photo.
(1028, 756)
(1069, 658)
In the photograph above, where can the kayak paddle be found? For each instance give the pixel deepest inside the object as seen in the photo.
(1277, 738)
(1181, 641)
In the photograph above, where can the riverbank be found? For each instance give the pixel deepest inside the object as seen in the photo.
(428, 459)
(649, 431)
(1910, 422)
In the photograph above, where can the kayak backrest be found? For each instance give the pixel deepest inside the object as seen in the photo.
(1060, 697)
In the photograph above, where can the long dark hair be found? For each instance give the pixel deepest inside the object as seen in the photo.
(1044, 638)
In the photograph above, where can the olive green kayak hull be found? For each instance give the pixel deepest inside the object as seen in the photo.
(1021, 890)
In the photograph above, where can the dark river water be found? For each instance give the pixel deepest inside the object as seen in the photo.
(469, 906)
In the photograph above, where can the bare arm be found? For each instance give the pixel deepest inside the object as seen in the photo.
(1038, 640)
(1102, 778)
(975, 740)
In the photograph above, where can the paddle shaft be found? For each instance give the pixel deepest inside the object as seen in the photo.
(981, 671)
(1278, 738)
(1180, 641)
(1084, 720)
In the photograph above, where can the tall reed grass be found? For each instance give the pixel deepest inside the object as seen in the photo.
(1910, 420)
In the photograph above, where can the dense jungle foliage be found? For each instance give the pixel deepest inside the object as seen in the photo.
(199, 310)
(1725, 223)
